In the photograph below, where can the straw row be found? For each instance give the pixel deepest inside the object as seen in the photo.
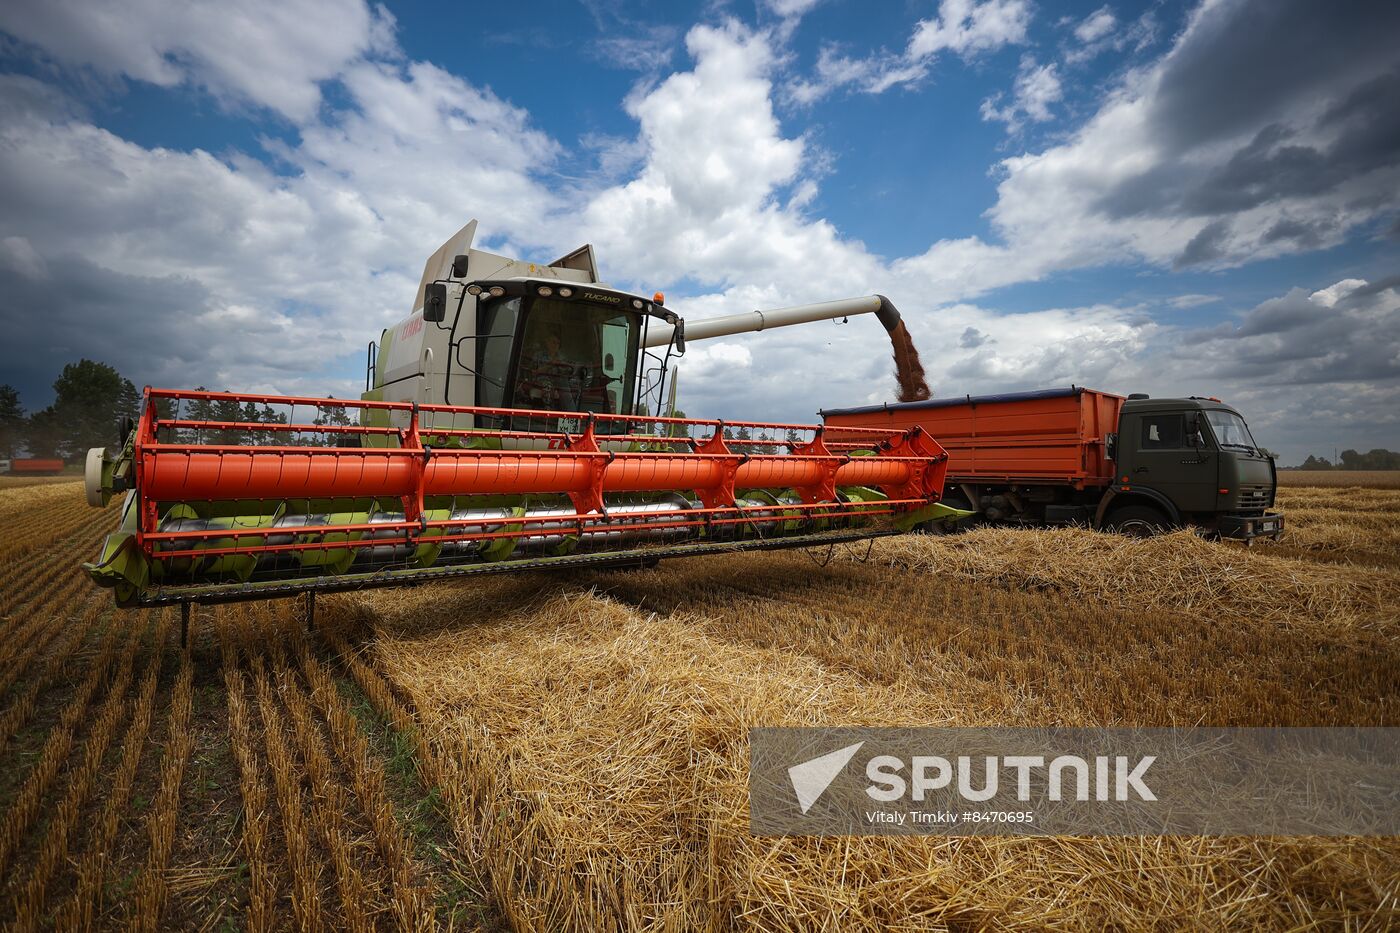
(36, 582)
(151, 885)
(28, 644)
(54, 753)
(1178, 571)
(262, 886)
(368, 779)
(328, 802)
(19, 712)
(306, 888)
(77, 911)
(53, 848)
(33, 533)
(19, 499)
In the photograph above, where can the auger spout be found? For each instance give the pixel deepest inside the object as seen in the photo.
(749, 322)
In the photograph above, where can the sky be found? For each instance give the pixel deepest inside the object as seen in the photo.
(1171, 198)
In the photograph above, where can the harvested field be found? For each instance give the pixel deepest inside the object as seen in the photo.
(1361, 479)
(570, 752)
(17, 481)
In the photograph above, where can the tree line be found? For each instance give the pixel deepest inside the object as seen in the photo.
(1376, 459)
(92, 400)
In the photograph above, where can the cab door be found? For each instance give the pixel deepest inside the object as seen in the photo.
(1171, 455)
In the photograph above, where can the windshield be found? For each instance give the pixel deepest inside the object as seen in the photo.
(572, 356)
(1230, 429)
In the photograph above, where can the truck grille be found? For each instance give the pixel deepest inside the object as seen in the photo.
(1255, 499)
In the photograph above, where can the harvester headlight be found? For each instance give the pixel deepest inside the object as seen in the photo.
(637, 303)
(546, 291)
(566, 293)
(496, 291)
(473, 290)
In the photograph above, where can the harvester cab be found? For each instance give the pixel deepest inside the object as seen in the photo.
(506, 337)
(506, 425)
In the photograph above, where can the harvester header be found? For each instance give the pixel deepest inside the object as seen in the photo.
(505, 426)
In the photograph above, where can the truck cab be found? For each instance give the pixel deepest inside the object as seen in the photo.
(1195, 462)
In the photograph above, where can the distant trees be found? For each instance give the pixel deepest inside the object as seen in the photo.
(11, 421)
(90, 399)
(1375, 459)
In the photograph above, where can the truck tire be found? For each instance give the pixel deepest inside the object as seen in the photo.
(1137, 521)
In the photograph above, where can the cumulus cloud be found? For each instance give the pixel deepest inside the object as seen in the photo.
(1096, 25)
(1309, 368)
(1184, 302)
(1037, 87)
(185, 267)
(270, 53)
(1102, 31)
(1187, 166)
(963, 27)
(712, 212)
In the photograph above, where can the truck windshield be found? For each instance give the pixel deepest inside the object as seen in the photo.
(1230, 430)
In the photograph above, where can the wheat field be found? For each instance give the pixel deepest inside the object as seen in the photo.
(570, 751)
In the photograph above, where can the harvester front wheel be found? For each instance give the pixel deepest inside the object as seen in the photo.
(1137, 521)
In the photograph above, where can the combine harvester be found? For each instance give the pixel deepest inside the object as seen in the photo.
(504, 427)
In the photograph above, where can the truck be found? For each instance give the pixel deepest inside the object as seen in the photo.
(33, 466)
(1078, 456)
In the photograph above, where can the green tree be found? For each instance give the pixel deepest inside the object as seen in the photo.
(11, 421)
(195, 409)
(332, 416)
(89, 398)
(227, 410)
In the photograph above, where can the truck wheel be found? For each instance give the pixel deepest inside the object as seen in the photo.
(1137, 521)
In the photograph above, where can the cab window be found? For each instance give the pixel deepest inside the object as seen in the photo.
(495, 340)
(1163, 432)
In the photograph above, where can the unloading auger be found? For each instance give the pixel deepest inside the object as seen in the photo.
(504, 427)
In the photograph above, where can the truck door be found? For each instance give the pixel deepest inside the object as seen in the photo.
(1162, 457)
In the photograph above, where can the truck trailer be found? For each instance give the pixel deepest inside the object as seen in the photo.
(1135, 465)
(32, 466)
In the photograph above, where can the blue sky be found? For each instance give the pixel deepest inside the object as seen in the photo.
(1162, 197)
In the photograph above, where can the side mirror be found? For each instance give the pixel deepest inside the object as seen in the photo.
(1193, 432)
(608, 362)
(459, 266)
(435, 301)
(1110, 446)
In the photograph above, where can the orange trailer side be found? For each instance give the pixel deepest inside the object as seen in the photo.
(1055, 436)
(34, 466)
